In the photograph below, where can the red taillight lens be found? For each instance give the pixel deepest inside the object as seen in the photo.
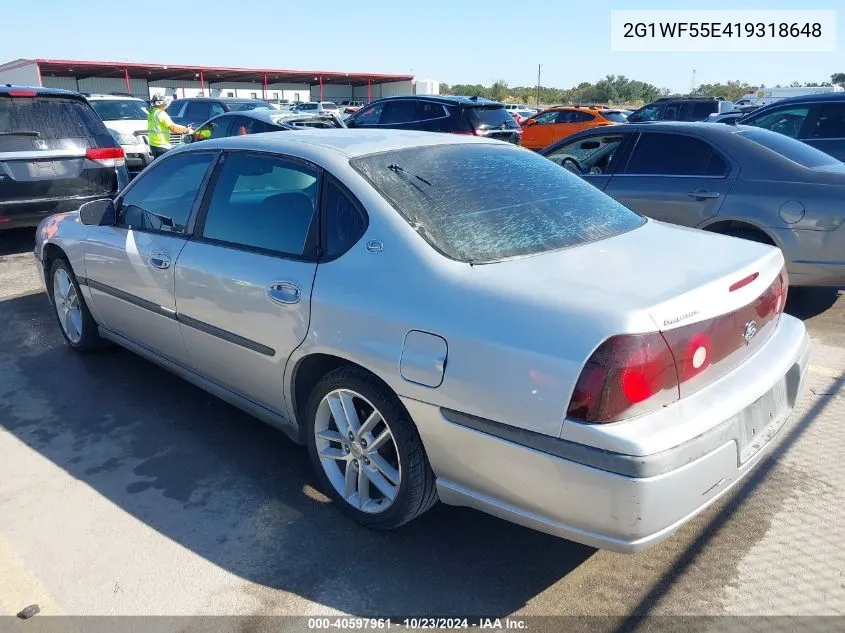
(106, 156)
(626, 375)
(22, 93)
(633, 374)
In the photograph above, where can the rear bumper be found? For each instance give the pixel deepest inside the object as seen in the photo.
(586, 497)
(137, 157)
(30, 213)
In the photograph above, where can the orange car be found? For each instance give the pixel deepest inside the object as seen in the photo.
(560, 121)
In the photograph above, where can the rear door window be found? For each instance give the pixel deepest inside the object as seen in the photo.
(830, 122)
(263, 202)
(787, 120)
(426, 111)
(400, 111)
(581, 117)
(700, 110)
(162, 198)
(675, 155)
(198, 111)
(485, 202)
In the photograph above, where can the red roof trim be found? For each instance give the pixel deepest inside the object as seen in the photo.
(325, 73)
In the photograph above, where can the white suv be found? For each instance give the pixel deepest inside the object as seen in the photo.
(126, 118)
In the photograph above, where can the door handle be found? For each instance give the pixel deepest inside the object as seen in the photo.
(283, 292)
(160, 260)
(701, 194)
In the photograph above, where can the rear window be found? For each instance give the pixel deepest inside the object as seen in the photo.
(616, 117)
(796, 151)
(483, 202)
(120, 109)
(490, 117)
(51, 117)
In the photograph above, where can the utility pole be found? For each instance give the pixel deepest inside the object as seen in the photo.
(692, 86)
(539, 66)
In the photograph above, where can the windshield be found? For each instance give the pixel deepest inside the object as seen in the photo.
(616, 117)
(120, 109)
(329, 106)
(796, 151)
(249, 105)
(485, 202)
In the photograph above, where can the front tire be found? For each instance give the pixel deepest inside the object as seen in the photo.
(75, 321)
(366, 450)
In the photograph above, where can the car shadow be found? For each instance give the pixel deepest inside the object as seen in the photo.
(241, 495)
(16, 241)
(806, 303)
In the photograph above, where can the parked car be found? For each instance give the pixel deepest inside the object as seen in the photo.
(680, 109)
(559, 122)
(439, 113)
(195, 111)
(818, 120)
(737, 180)
(258, 121)
(55, 154)
(330, 282)
(126, 118)
(732, 116)
(351, 107)
(316, 107)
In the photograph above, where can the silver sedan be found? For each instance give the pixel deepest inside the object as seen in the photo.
(443, 317)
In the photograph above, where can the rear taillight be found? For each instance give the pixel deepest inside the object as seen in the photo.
(106, 156)
(633, 374)
(21, 93)
(625, 375)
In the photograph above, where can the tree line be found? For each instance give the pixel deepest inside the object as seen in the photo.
(612, 90)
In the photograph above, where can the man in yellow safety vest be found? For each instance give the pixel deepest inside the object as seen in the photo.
(160, 125)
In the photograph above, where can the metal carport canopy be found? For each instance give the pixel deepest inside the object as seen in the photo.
(211, 74)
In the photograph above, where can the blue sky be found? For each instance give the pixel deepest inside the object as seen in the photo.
(455, 41)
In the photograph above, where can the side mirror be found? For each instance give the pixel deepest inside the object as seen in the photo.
(530, 121)
(98, 213)
(188, 138)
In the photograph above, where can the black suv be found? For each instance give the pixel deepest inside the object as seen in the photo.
(197, 110)
(431, 113)
(680, 109)
(818, 120)
(55, 155)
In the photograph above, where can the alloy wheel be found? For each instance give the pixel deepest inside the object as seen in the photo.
(66, 301)
(357, 451)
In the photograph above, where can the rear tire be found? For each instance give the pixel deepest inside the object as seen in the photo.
(366, 451)
(75, 321)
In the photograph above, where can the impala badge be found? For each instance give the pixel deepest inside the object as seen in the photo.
(750, 331)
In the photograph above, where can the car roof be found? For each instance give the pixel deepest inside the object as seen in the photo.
(270, 115)
(349, 142)
(447, 99)
(100, 97)
(820, 97)
(696, 127)
(223, 99)
(45, 92)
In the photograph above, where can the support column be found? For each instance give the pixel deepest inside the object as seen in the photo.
(265, 87)
(202, 84)
(321, 87)
(126, 78)
(369, 89)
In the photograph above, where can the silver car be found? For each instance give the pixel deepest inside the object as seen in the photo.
(736, 180)
(445, 317)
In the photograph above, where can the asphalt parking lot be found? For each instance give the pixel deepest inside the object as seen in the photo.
(126, 491)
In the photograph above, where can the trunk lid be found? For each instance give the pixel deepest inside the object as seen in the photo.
(696, 289)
